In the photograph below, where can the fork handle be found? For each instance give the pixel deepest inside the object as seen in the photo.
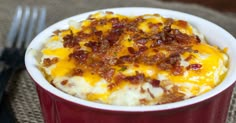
(5, 76)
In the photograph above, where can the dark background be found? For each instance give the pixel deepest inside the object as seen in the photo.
(219, 5)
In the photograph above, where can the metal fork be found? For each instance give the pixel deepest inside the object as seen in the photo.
(26, 23)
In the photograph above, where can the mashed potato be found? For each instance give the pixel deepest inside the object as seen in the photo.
(139, 60)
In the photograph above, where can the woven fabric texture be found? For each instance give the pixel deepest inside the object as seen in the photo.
(21, 89)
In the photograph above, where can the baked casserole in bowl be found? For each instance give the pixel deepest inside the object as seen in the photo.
(145, 64)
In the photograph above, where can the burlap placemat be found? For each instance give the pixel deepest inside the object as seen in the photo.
(21, 89)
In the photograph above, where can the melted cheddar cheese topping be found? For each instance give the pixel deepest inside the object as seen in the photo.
(139, 60)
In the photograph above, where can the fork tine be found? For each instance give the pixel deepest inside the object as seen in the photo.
(42, 19)
(14, 27)
(24, 21)
(30, 32)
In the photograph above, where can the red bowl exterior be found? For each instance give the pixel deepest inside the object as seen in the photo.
(58, 110)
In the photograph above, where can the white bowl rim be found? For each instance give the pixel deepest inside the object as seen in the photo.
(38, 77)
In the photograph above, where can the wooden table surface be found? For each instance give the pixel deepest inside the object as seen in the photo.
(219, 5)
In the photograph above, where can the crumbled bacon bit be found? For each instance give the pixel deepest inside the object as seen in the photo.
(167, 29)
(164, 66)
(131, 50)
(151, 94)
(70, 41)
(64, 82)
(98, 33)
(111, 86)
(114, 20)
(142, 41)
(172, 95)
(169, 21)
(48, 62)
(82, 35)
(114, 36)
(142, 49)
(143, 101)
(189, 58)
(195, 51)
(194, 67)
(139, 19)
(173, 59)
(93, 45)
(118, 25)
(153, 59)
(183, 38)
(136, 65)
(52, 83)
(136, 79)
(155, 83)
(154, 27)
(79, 55)
(178, 70)
(57, 32)
(109, 12)
(182, 23)
(119, 77)
(156, 37)
(111, 61)
(77, 72)
(156, 43)
(101, 22)
(109, 74)
(198, 39)
(96, 64)
(142, 90)
(126, 58)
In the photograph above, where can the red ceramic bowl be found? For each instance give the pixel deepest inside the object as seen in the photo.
(211, 107)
